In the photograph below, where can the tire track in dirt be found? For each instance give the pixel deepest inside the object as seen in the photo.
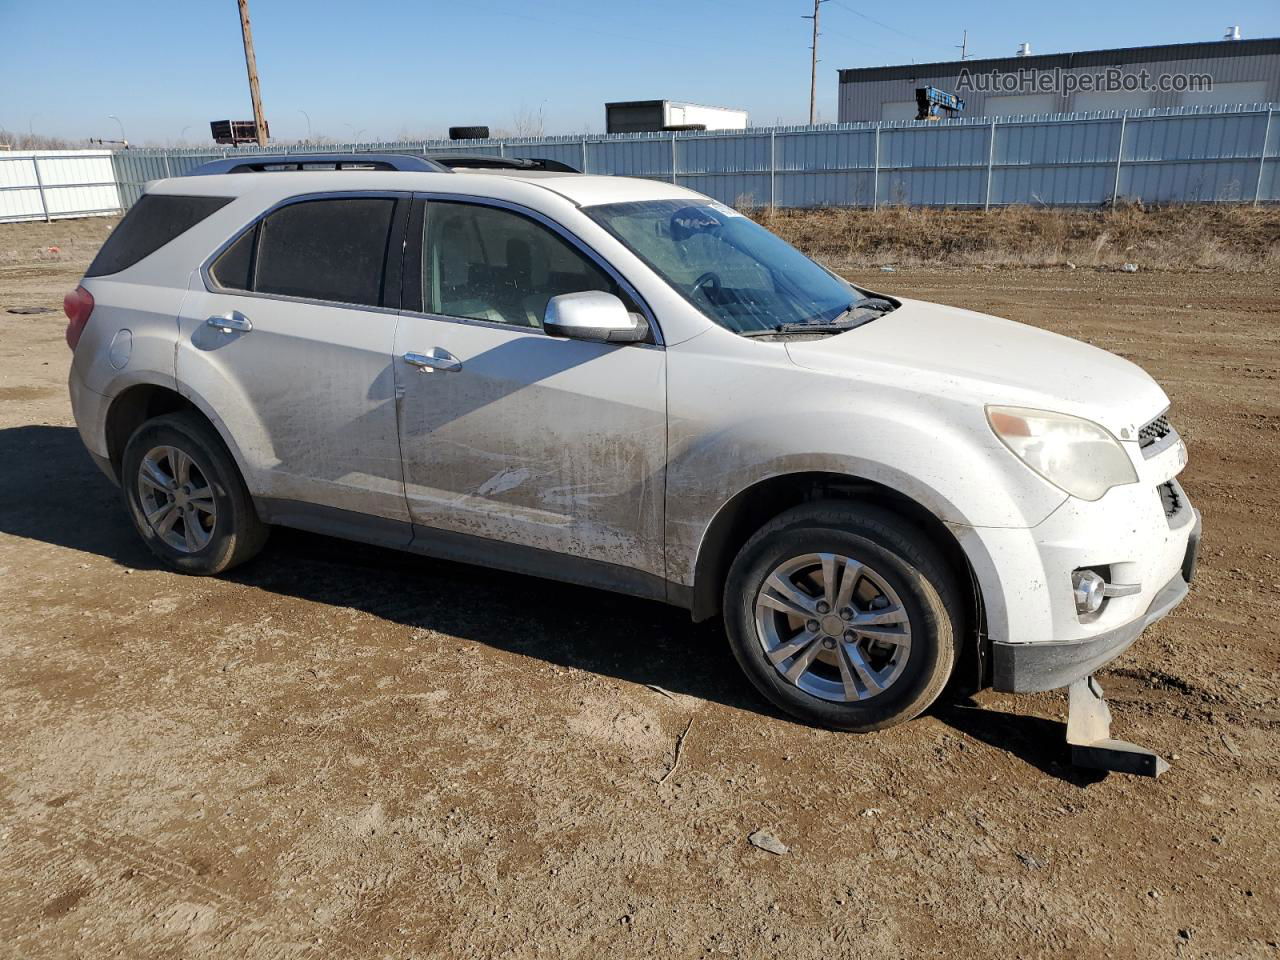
(144, 881)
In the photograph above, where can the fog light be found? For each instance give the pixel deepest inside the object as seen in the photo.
(1088, 588)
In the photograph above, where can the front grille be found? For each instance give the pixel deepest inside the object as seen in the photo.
(1154, 432)
(1171, 499)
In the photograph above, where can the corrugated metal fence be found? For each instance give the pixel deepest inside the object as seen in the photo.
(1176, 155)
(50, 184)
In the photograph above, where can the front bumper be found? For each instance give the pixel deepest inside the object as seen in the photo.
(1030, 667)
(1145, 534)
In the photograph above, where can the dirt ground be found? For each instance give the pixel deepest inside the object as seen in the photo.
(345, 752)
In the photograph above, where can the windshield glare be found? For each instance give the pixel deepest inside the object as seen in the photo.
(732, 269)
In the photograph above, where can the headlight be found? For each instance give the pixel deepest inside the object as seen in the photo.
(1072, 453)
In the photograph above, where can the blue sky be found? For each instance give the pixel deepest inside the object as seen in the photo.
(387, 69)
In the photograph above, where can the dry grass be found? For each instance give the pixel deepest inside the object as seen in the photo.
(34, 241)
(1233, 238)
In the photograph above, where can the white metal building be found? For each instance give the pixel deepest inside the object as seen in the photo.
(1242, 71)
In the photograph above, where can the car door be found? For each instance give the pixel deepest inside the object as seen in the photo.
(287, 338)
(513, 437)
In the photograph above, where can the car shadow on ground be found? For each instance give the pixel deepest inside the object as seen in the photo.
(1037, 741)
(50, 491)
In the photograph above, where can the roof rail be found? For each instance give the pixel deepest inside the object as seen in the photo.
(404, 163)
(487, 161)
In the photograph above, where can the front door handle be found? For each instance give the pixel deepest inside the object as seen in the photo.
(235, 320)
(437, 358)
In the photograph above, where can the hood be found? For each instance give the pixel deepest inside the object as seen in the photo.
(960, 352)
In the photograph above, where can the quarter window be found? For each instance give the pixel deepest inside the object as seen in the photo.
(486, 263)
(234, 269)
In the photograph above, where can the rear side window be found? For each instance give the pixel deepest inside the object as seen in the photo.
(333, 250)
(150, 223)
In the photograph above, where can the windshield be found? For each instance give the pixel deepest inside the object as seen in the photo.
(732, 269)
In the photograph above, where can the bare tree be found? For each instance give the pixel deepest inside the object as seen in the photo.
(528, 122)
(15, 140)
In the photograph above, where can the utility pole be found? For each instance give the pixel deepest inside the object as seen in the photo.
(813, 64)
(251, 64)
(964, 46)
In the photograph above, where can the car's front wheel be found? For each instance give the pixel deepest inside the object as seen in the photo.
(844, 616)
(186, 497)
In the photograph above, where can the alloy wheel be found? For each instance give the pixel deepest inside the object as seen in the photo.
(833, 627)
(177, 499)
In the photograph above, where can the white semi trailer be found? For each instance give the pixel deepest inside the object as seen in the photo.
(644, 116)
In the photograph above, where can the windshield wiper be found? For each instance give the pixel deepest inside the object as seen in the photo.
(866, 303)
(784, 328)
(837, 324)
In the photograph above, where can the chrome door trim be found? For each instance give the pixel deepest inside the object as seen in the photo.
(513, 328)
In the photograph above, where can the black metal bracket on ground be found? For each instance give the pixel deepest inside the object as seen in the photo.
(1089, 735)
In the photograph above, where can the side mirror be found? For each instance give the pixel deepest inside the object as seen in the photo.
(593, 315)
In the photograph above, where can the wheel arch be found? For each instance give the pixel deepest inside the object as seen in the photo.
(140, 402)
(131, 408)
(757, 504)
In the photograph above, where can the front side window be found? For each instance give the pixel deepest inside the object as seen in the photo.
(735, 271)
(487, 263)
(334, 250)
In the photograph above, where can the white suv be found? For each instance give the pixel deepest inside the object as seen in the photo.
(621, 383)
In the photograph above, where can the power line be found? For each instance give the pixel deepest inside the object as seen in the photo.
(879, 23)
(576, 26)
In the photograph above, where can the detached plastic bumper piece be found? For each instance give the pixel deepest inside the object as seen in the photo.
(1089, 735)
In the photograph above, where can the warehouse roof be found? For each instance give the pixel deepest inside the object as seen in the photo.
(1066, 61)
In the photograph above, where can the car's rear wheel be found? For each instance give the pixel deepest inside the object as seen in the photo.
(844, 616)
(186, 497)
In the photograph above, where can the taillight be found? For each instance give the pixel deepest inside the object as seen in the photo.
(77, 305)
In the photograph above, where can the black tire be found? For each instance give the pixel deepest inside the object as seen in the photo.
(902, 557)
(468, 133)
(235, 533)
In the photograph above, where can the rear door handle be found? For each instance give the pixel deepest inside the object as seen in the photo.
(437, 358)
(235, 320)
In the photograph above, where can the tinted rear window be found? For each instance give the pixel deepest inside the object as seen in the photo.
(326, 250)
(150, 223)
